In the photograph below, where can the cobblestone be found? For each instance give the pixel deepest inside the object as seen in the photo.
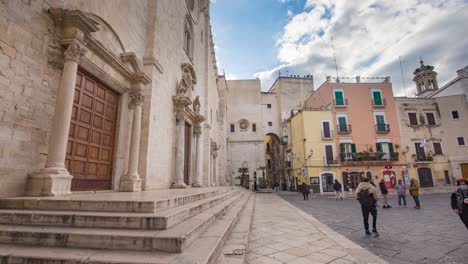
(433, 234)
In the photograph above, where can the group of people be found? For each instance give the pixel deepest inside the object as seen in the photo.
(367, 195)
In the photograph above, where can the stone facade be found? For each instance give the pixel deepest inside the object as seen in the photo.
(140, 52)
(248, 107)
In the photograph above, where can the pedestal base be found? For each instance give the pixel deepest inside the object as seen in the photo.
(130, 184)
(197, 185)
(179, 185)
(49, 182)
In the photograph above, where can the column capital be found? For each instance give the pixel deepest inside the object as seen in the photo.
(75, 51)
(180, 102)
(136, 98)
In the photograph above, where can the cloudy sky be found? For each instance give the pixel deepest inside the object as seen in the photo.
(259, 38)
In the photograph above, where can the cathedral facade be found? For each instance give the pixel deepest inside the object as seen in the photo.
(108, 95)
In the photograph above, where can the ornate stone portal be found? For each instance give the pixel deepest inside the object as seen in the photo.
(183, 113)
(54, 179)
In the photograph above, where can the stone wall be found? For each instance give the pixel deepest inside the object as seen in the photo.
(30, 70)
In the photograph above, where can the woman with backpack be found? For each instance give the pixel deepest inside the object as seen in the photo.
(366, 194)
(459, 200)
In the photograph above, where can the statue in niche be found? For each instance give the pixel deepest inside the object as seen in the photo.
(186, 83)
(196, 105)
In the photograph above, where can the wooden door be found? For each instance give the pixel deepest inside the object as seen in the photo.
(329, 154)
(326, 130)
(464, 170)
(187, 153)
(425, 177)
(90, 146)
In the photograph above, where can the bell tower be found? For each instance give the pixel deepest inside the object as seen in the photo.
(426, 79)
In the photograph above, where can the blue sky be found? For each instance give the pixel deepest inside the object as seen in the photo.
(258, 38)
(245, 38)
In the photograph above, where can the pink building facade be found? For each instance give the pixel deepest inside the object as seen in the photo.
(366, 131)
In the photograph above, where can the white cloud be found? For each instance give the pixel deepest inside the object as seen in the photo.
(369, 35)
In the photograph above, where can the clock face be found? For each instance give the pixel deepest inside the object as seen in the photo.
(243, 124)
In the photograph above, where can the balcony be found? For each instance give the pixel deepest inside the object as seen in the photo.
(369, 156)
(332, 162)
(329, 136)
(377, 104)
(382, 128)
(288, 164)
(344, 129)
(423, 158)
(343, 103)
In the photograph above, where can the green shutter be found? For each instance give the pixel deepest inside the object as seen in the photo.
(353, 148)
(390, 147)
(339, 98)
(342, 148)
(377, 97)
(378, 147)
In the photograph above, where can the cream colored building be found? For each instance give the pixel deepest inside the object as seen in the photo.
(94, 99)
(434, 128)
(252, 115)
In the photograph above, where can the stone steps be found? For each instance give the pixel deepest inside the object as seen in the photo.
(235, 248)
(112, 201)
(150, 221)
(203, 251)
(174, 239)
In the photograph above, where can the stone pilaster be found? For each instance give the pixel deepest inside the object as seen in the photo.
(197, 131)
(131, 181)
(54, 179)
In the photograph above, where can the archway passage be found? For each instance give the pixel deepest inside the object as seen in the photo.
(90, 148)
(464, 170)
(425, 177)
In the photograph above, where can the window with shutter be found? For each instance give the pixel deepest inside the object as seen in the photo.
(413, 119)
(437, 148)
(326, 129)
(377, 97)
(232, 128)
(430, 119)
(339, 98)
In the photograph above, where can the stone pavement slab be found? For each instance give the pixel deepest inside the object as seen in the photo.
(281, 233)
(431, 235)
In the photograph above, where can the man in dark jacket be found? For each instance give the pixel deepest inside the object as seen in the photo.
(305, 191)
(337, 188)
(459, 200)
(366, 194)
(384, 191)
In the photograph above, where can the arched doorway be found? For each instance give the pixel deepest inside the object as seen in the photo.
(464, 170)
(327, 182)
(274, 170)
(425, 177)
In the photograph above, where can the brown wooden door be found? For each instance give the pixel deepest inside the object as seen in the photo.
(326, 130)
(329, 153)
(92, 132)
(187, 153)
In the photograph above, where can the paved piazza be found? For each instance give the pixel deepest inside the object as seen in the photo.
(283, 234)
(430, 235)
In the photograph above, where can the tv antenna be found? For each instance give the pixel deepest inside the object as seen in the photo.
(402, 75)
(336, 64)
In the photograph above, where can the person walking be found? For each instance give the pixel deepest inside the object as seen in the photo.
(401, 192)
(414, 191)
(255, 183)
(338, 191)
(384, 191)
(305, 191)
(459, 200)
(366, 194)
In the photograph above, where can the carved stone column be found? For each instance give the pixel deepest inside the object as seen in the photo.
(131, 182)
(180, 102)
(197, 131)
(214, 153)
(54, 179)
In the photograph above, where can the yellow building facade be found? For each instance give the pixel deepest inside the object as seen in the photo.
(312, 147)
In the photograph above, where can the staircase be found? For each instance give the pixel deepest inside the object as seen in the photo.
(169, 226)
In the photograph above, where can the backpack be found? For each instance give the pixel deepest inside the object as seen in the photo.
(365, 198)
